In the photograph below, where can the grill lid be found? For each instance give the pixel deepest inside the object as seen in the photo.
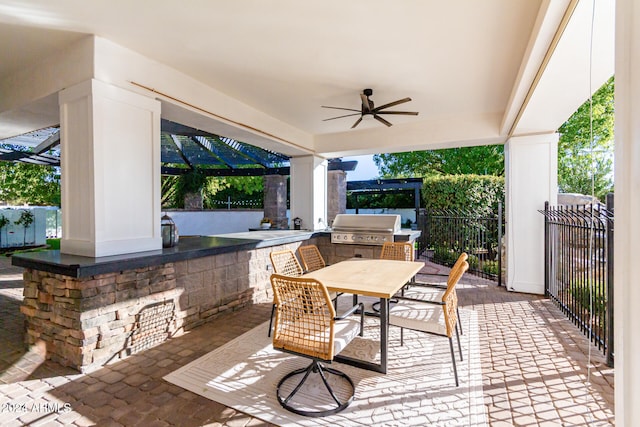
(367, 223)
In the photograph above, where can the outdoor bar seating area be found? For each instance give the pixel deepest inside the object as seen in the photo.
(87, 311)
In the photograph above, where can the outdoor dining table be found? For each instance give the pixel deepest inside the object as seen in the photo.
(377, 278)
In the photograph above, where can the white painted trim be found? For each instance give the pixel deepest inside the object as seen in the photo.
(531, 179)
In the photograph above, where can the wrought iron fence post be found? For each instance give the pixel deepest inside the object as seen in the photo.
(610, 210)
(547, 255)
(500, 243)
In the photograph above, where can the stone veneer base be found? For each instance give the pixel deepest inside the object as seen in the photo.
(87, 322)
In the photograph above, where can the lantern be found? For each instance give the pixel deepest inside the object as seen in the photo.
(297, 223)
(169, 231)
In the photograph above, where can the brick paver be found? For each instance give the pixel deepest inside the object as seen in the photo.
(534, 365)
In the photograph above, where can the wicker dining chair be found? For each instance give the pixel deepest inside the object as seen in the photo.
(399, 251)
(306, 325)
(311, 258)
(433, 292)
(283, 262)
(440, 319)
(396, 251)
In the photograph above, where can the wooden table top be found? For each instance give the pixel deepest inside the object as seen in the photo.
(379, 278)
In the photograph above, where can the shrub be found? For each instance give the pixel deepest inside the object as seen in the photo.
(479, 194)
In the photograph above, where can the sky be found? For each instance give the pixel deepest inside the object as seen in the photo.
(365, 170)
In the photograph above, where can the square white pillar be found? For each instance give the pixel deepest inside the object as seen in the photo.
(626, 296)
(309, 191)
(110, 164)
(531, 164)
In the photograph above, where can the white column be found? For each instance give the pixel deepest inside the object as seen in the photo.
(531, 164)
(626, 298)
(110, 164)
(309, 191)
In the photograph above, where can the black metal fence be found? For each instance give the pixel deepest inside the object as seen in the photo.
(230, 203)
(579, 267)
(447, 233)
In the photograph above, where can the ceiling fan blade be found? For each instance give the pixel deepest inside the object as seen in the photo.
(339, 117)
(356, 123)
(366, 107)
(340, 108)
(381, 120)
(411, 113)
(391, 104)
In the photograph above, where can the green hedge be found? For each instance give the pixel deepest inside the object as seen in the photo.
(471, 193)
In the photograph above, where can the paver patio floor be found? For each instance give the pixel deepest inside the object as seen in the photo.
(535, 368)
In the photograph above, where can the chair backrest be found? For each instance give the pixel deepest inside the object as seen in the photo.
(450, 297)
(285, 262)
(398, 251)
(304, 316)
(311, 258)
(462, 258)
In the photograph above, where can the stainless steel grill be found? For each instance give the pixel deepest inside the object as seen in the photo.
(364, 229)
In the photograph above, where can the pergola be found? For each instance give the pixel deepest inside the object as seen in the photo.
(182, 149)
(490, 72)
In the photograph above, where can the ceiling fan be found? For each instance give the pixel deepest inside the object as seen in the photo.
(368, 109)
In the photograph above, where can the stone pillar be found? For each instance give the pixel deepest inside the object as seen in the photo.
(110, 162)
(336, 194)
(531, 165)
(275, 200)
(309, 191)
(627, 205)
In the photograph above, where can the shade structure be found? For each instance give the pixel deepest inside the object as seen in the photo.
(182, 149)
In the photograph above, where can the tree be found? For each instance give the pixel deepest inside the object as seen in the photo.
(585, 148)
(481, 160)
(4, 221)
(26, 219)
(213, 188)
(22, 183)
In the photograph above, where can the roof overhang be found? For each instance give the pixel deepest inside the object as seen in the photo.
(477, 72)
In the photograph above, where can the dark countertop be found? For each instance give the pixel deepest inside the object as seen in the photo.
(189, 247)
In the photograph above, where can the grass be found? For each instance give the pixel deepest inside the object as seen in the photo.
(53, 243)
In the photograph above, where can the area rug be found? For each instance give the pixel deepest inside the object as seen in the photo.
(419, 388)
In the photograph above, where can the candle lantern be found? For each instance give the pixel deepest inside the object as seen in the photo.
(297, 223)
(169, 231)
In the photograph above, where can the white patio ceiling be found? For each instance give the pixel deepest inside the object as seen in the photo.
(477, 71)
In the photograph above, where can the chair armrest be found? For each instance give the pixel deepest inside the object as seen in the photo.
(359, 306)
(419, 300)
(427, 285)
(350, 311)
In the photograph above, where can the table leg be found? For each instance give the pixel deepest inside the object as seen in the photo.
(384, 342)
(384, 333)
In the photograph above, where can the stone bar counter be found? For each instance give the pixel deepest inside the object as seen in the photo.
(88, 312)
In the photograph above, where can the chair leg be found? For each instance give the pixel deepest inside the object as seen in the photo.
(459, 346)
(315, 367)
(401, 337)
(273, 311)
(453, 360)
(459, 321)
